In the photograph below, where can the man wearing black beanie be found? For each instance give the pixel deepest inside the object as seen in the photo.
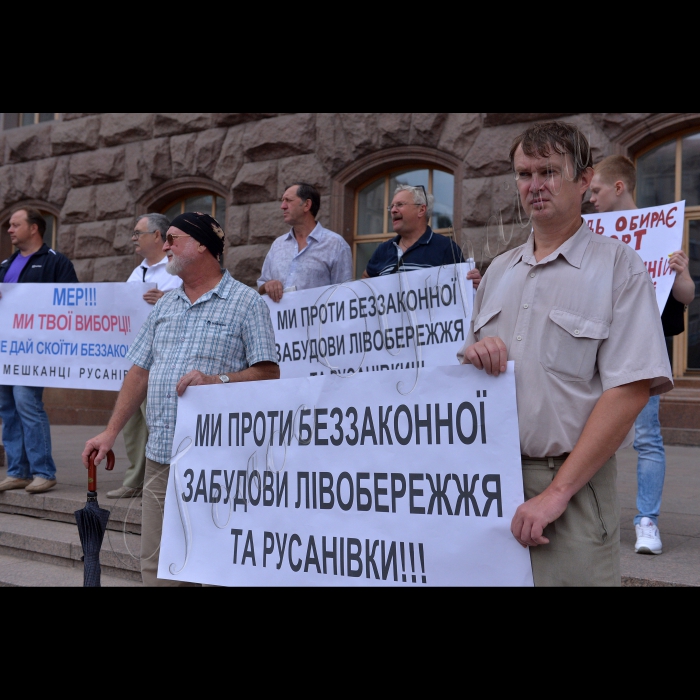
(212, 330)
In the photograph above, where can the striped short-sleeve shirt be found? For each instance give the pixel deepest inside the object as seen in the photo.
(228, 329)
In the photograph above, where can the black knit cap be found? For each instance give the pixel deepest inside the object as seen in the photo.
(202, 228)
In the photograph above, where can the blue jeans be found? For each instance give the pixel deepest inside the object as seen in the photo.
(26, 433)
(651, 462)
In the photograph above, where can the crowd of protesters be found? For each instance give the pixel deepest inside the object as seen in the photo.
(581, 384)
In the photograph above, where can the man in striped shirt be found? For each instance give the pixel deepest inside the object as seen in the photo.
(211, 330)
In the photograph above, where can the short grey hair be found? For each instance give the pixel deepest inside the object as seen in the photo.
(419, 198)
(156, 222)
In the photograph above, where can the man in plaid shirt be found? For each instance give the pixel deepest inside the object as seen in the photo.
(210, 330)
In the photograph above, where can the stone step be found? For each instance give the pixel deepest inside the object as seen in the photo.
(679, 413)
(78, 406)
(681, 436)
(681, 395)
(58, 543)
(687, 383)
(632, 582)
(25, 573)
(62, 501)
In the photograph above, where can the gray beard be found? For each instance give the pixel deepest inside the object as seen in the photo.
(174, 267)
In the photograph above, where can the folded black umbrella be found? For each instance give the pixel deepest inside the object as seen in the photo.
(92, 523)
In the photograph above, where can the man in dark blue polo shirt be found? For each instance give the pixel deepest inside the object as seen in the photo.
(416, 246)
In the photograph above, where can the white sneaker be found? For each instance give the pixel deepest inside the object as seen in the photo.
(648, 539)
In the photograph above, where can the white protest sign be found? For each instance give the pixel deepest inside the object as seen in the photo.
(72, 336)
(371, 481)
(410, 319)
(654, 232)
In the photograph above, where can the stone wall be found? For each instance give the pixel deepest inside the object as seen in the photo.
(99, 170)
(96, 171)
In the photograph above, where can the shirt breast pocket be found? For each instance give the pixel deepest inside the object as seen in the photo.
(215, 339)
(486, 323)
(571, 343)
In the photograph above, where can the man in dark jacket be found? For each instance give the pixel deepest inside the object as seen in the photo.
(25, 425)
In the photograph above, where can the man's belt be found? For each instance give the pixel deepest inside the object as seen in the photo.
(550, 462)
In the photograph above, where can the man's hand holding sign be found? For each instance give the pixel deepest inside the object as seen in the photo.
(489, 354)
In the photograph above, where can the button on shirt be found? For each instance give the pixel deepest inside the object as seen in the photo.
(430, 250)
(226, 330)
(155, 274)
(581, 321)
(327, 259)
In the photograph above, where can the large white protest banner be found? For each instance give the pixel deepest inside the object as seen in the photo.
(73, 336)
(654, 232)
(371, 481)
(410, 319)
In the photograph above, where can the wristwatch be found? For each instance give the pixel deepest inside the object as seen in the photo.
(224, 378)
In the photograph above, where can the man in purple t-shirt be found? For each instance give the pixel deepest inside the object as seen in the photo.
(12, 275)
(26, 434)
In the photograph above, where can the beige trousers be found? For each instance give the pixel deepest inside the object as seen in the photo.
(135, 435)
(584, 542)
(153, 502)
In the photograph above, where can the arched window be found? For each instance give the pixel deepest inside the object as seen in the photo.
(670, 172)
(204, 202)
(361, 193)
(180, 195)
(372, 222)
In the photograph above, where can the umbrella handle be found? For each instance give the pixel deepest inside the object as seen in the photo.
(92, 469)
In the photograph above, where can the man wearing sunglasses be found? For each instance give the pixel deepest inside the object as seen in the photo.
(211, 330)
(148, 238)
(416, 245)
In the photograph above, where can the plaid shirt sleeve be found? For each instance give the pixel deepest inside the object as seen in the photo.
(258, 334)
(141, 350)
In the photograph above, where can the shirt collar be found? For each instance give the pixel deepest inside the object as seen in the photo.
(317, 233)
(423, 240)
(221, 290)
(164, 261)
(571, 250)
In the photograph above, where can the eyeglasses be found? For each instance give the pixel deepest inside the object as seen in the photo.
(401, 205)
(136, 234)
(169, 237)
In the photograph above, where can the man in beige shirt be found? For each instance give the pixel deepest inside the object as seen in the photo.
(577, 313)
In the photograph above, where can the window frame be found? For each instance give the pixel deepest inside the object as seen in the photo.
(20, 118)
(162, 197)
(388, 196)
(679, 352)
(347, 182)
(202, 193)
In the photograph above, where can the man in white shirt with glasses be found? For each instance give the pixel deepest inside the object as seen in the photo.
(148, 237)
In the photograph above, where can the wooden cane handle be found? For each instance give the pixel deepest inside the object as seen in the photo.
(92, 469)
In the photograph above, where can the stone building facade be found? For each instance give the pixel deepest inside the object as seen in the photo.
(94, 172)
